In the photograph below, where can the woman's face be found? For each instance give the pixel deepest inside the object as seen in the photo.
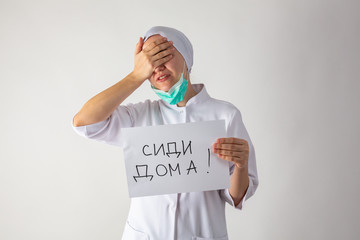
(173, 68)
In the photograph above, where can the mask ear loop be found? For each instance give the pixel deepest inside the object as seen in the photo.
(184, 71)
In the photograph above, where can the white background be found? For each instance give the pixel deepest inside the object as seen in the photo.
(291, 67)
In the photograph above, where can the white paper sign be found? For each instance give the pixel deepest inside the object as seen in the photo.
(174, 158)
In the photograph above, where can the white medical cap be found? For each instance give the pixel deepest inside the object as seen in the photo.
(180, 42)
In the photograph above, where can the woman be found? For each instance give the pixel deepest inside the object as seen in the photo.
(165, 57)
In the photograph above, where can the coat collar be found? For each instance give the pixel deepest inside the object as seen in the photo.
(201, 96)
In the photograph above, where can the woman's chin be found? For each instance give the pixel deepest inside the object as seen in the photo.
(164, 86)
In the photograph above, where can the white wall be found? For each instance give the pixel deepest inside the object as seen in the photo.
(291, 67)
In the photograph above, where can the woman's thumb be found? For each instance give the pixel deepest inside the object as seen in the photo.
(139, 46)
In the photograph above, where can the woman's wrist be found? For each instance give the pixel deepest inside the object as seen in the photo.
(133, 76)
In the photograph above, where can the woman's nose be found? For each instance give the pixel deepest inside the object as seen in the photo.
(160, 68)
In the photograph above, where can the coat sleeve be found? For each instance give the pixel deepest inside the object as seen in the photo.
(109, 130)
(236, 128)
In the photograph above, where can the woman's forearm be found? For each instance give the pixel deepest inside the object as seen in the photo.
(103, 104)
(146, 61)
(239, 184)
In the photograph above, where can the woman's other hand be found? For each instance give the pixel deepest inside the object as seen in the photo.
(234, 150)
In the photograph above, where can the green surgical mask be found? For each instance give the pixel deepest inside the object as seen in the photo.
(176, 93)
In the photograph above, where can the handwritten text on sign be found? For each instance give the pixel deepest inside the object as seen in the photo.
(174, 158)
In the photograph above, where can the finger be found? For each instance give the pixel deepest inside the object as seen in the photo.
(154, 44)
(230, 153)
(162, 60)
(139, 45)
(239, 162)
(155, 50)
(232, 147)
(232, 140)
(239, 149)
(163, 54)
(230, 159)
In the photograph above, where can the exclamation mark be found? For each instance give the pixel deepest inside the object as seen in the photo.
(208, 158)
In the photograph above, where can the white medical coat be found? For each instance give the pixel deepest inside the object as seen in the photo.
(194, 215)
